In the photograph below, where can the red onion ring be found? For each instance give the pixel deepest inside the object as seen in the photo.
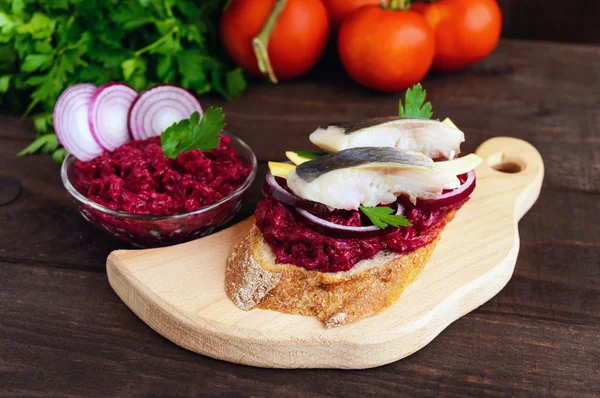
(345, 231)
(277, 192)
(70, 119)
(108, 115)
(451, 197)
(65, 100)
(158, 108)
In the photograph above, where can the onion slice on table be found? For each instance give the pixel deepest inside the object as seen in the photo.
(279, 193)
(70, 119)
(453, 196)
(158, 108)
(108, 114)
(344, 231)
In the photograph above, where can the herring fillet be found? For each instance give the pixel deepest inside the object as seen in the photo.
(432, 138)
(367, 176)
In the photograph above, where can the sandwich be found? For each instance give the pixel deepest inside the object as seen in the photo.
(342, 232)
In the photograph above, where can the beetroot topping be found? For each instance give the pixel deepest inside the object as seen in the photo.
(294, 242)
(138, 178)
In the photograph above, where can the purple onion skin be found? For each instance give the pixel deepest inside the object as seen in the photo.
(276, 188)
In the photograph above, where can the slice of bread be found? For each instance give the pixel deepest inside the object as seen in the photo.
(254, 280)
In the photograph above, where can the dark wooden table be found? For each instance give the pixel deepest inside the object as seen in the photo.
(63, 332)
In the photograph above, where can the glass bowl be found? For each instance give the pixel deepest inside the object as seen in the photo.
(161, 230)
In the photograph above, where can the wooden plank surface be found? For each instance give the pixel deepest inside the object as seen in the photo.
(88, 343)
(571, 21)
(63, 332)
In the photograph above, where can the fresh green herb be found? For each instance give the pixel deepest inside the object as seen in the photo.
(310, 154)
(193, 133)
(47, 46)
(416, 107)
(382, 217)
(59, 155)
(46, 143)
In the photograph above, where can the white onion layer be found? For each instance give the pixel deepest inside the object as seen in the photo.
(71, 122)
(108, 115)
(158, 108)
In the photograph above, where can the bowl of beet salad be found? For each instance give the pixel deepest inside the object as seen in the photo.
(142, 197)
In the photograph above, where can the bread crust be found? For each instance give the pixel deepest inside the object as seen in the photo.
(254, 280)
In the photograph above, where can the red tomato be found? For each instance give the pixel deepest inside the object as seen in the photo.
(340, 9)
(466, 31)
(297, 41)
(386, 50)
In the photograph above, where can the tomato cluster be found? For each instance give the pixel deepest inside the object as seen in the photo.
(386, 48)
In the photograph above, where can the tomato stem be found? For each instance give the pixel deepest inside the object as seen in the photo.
(397, 4)
(261, 42)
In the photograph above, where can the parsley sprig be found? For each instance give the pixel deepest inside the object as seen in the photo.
(382, 217)
(47, 46)
(193, 133)
(415, 105)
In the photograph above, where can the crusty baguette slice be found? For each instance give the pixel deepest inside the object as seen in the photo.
(253, 279)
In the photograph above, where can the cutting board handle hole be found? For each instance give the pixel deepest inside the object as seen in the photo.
(505, 163)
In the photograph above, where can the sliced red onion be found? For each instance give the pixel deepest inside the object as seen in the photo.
(453, 196)
(345, 231)
(158, 108)
(108, 115)
(282, 195)
(70, 119)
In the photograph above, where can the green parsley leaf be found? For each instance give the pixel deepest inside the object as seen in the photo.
(18, 6)
(416, 107)
(40, 26)
(4, 83)
(43, 47)
(55, 4)
(133, 65)
(45, 144)
(34, 62)
(235, 82)
(164, 69)
(309, 154)
(42, 122)
(59, 155)
(382, 217)
(193, 133)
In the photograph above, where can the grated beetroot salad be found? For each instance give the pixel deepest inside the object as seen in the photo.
(294, 242)
(138, 178)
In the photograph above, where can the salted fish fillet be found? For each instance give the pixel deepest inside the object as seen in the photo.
(367, 176)
(432, 138)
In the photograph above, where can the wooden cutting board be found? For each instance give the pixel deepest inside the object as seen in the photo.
(179, 291)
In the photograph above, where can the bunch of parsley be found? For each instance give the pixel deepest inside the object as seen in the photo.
(48, 45)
